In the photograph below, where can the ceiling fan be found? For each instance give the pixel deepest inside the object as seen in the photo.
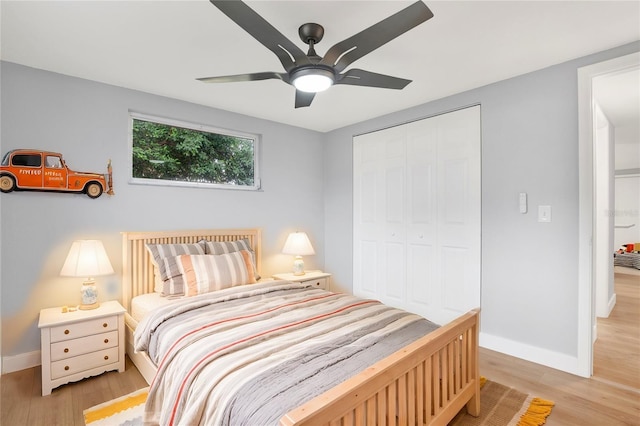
(310, 73)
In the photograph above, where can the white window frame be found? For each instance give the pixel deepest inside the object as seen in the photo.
(199, 127)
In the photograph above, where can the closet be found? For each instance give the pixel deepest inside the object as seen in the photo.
(416, 215)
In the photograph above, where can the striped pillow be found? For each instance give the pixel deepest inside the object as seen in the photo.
(222, 247)
(203, 274)
(167, 271)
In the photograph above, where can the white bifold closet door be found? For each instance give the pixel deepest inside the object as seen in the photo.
(416, 207)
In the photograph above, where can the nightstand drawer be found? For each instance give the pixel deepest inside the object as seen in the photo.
(85, 328)
(83, 345)
(318, 283)
(318, 279)
(67, 367)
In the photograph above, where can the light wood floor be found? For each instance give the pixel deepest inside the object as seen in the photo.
(616, 353)
(598, 401)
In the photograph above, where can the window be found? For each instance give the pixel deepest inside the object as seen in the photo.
(53, 162)
(169, 152)
(28, 160)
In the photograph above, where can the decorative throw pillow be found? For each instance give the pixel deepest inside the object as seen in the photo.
(222, 247)
(164, 271)
(203, 274)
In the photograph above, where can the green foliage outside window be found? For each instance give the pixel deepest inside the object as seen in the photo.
(172, 153)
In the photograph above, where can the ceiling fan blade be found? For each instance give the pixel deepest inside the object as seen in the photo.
(246, 77)
(358, 77)
(289, 54)
(304, 99)
(347, 51)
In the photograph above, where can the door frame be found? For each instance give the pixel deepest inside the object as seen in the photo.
(586, 206)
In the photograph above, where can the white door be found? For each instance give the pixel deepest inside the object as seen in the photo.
(417, 215)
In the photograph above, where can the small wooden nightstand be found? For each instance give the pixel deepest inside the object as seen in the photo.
(318, 278)
(80, 344)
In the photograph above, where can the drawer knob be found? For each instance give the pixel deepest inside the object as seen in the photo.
(106, 340)
(66, 332)
(106, 357)
(105, 325)
(66, 350)
(66, 368)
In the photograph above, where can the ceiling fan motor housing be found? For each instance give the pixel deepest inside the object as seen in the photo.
(311, 32)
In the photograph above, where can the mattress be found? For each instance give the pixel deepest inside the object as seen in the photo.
(145, 303)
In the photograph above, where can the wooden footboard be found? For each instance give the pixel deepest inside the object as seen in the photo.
(426, 383)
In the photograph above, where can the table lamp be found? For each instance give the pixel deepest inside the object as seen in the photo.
(87, 258)
(298, 244)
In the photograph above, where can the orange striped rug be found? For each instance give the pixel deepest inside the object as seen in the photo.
(501, 405)
(126, 410)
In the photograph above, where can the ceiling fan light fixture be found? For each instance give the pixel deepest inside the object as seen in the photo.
(312, 80)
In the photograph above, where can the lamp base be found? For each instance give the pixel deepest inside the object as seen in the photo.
(89, 307)
(298, 266)
(89, 295)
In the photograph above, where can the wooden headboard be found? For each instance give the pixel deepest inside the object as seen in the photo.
(137, 268)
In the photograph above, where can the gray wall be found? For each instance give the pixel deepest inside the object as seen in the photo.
(88, 122)
(529, 144)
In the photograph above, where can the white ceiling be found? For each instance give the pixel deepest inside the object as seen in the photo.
(161, 47)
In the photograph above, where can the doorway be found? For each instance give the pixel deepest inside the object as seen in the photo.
(589, 234)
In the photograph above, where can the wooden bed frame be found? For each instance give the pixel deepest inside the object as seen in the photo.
(426, 383)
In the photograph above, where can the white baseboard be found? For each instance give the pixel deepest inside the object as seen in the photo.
(611, 304)
(548, 358)
(20, 362)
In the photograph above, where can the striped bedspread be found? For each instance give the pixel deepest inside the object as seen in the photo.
(249, 354)
(630, 260)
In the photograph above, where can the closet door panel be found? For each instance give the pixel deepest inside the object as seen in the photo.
(421, 274)
(421, 218)
(368, 180)
(394, 277)
(393, 241)
(367, 252)
(458, 292)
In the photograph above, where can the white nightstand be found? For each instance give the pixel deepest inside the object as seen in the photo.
(80, 344)
(318, 278)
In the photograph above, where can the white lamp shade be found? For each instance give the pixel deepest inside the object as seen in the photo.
(86, 258)
(298, 244)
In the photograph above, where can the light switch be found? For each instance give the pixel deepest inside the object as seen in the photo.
(544, 213)
(522, 202)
